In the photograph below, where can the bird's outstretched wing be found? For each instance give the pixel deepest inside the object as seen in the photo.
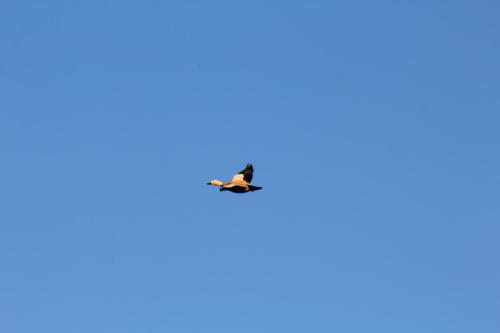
(245, 174)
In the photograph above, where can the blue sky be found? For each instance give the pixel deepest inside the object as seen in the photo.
(373, 128)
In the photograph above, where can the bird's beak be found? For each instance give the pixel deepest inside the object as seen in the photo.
(209, 183)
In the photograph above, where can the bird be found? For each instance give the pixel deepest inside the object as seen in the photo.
(240, 183)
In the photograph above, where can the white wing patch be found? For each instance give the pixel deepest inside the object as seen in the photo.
(238, 177)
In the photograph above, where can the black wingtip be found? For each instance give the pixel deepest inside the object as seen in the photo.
(255, 188)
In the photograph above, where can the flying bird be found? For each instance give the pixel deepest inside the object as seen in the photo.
(240, 183)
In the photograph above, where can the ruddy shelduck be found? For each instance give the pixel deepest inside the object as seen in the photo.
(240, 183)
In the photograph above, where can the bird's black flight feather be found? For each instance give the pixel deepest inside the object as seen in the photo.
(247, 173)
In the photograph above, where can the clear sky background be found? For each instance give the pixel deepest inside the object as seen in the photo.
(374, 128)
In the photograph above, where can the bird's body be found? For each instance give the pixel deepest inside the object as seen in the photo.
(240, 183)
